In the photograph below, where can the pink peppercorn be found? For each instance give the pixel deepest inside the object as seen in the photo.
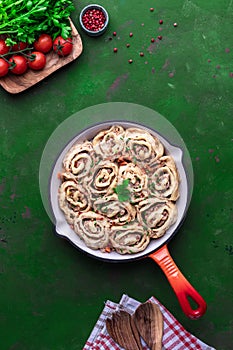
(175, 24)
(152, 40)
(130, 34)
(130, 60)
(141, 54)
(151, 9)
(115, 49)
(160, 37)
(114, 33)
(94, 19)
(160, 21)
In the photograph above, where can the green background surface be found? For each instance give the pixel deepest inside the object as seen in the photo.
(51, 294)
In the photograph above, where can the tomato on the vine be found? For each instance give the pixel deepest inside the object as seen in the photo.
(37, 60)
(62, 47)
(3, 47)
(19, 46)
(44, 43)
(18, 64)
(4, 67)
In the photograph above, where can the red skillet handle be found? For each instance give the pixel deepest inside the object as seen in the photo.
(180, 285)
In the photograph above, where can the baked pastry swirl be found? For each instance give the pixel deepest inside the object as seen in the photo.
(93, 229)
(109, 144)
(131, 238)
(142, 146)
(118, 213)
(119, 190)
(80, 159)
(104, 179)
(164, 179)
(157, 215)
(73, 198)
(138, 181)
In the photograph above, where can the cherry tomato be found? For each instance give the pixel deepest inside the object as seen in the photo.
(3, 47)
(18, 64)
(37, 61)
(62, 47)
(44, 43)
(4, 67)
(19, 46)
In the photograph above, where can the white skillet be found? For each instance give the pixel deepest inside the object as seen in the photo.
(157, 249)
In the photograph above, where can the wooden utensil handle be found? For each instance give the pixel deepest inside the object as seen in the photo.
(157, 347)
(180, 285)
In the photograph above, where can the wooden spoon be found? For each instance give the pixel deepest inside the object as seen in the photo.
(123, 331)
(149, 322)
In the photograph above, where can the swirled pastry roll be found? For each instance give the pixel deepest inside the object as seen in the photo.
(129, 239)
(138, 181)
(110, 143)
(142, 146)
(103, 179)
(93, 229)
(119, 213)
(73, 198)
(164, 179)
(156, 214)
(80, 159)
(119, 189)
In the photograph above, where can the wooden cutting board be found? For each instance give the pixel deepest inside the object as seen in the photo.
(15, 84)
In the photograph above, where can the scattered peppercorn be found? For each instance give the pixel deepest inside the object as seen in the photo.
(130, 34)
(115, 49)
(160, 37)
(141, 54)
(114, 33)
(175, 24)
(127, 45)
(151, 9)
(130, 60)
(160, 21)
(152, 40)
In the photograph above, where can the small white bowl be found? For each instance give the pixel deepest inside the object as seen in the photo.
(92, 7)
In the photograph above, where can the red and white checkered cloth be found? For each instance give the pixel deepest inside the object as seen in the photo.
(175, 337)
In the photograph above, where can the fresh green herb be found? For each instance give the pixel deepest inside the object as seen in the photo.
(152, 186)
(122, 191)
(25, 20)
